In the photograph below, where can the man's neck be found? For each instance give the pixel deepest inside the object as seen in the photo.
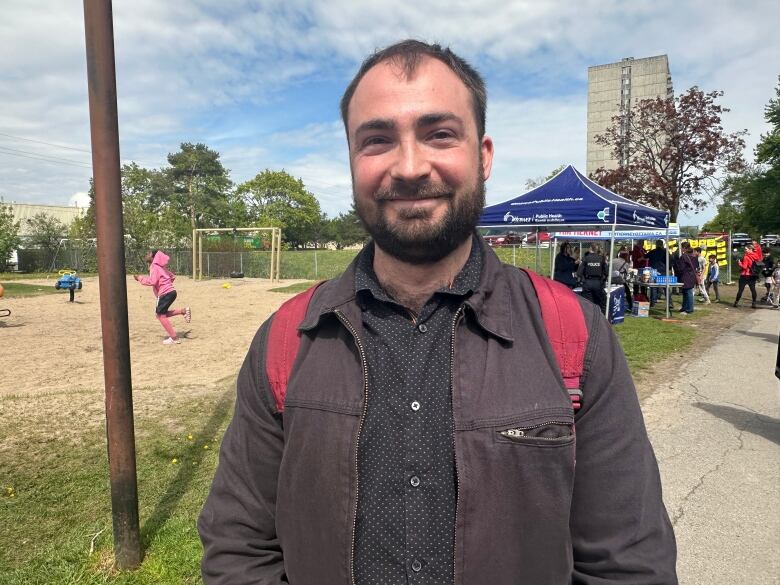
(413, 284)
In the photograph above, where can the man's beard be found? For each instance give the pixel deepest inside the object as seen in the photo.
(414, 238)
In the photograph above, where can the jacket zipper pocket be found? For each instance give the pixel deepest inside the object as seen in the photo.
(532, 433)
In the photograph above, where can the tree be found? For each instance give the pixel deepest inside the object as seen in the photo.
(346, 229)
(534, 183)
(276, 198)
(201, 186)
(751, 199)
(671, 151)
(45, 232)
(9, 234)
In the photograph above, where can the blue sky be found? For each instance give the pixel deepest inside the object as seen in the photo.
(260, 81)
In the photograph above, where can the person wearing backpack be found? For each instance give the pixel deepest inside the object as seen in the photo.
(749, 271)
(412, 420)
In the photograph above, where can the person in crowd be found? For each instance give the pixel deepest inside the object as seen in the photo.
(565, 266)
(687, 267)
(657, 259)
(161, 280)
(620, 268)
(592, 273)
(766, 273)
(713, 277)
(701, 270)
(425, 435)
(774, 294)
(752, 253)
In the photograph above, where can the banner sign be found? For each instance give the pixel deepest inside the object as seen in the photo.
(717, 247)
(674, 230)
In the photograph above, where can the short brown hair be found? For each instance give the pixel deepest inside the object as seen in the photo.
(408, 54)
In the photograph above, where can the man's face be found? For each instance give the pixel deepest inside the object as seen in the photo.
(418, 166)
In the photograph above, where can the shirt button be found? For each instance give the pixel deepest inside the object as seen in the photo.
(415, 481)
(422, 327)
(415, 406)
(416, 566)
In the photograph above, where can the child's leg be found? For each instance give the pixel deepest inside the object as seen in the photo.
(174, 313)
(167, 326)
(717, 294)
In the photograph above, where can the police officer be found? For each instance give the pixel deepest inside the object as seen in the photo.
(592, 272)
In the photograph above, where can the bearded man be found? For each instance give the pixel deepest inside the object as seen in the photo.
(426, 436)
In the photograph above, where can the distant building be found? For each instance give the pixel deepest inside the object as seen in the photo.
(616, 87)
(24, 211)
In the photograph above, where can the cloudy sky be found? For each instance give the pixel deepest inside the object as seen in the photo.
(259, 81)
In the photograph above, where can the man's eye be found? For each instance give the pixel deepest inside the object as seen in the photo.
(441, 135)
(374, 141)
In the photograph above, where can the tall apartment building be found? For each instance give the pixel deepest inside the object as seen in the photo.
(615, 87)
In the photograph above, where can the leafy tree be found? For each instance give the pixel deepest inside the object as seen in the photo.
(45, 232)
(672, 151)
(201, 186)
(276, 198)
(751, 199)
(534, 183)
(9, 234)
(346, 229)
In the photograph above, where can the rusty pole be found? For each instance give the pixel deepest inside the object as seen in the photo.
(101, 76)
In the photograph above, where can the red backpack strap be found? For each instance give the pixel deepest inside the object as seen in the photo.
(283, 342)
(565, 324)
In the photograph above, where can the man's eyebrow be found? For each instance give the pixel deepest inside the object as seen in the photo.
(437, 118)
(376, 124)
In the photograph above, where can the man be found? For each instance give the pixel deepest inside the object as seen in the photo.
(426, 436)
(656, 258)
(592, 272)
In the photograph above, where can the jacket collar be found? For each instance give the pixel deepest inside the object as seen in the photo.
(490, 304)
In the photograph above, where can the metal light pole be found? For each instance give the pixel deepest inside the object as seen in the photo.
(101, 76)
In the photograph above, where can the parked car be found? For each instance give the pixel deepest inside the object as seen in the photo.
(543, 237)
(770, 240)
(504, 239)
(738, 240)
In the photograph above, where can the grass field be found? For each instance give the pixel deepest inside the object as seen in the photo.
(18, 289)
(55, 514)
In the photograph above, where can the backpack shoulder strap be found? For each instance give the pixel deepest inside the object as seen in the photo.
(283, 342)
(566, 329)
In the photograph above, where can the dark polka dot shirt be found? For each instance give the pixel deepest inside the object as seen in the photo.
(406, 463)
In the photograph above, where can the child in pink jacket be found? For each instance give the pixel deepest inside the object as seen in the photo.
(161, 280)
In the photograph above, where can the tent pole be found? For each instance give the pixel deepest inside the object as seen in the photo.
(553, 250)
(611, 259)
(536, 257)
(667, 271)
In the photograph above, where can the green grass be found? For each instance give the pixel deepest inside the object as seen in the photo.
(6, 276)
(20, 289)
(294, 288)
(646, 341)
(54, 499)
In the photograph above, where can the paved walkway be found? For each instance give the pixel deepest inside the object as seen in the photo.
(716, 433)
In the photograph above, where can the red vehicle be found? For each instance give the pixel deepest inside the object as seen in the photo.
(505, 239)
(543, 237)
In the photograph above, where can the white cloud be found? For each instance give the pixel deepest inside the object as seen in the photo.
(224, 73)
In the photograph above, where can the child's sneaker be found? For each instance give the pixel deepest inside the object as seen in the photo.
(171, 341)
(187, 315)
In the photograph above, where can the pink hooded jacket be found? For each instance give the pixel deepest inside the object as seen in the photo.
(160, 278)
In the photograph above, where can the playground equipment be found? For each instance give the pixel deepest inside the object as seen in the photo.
(68, 281)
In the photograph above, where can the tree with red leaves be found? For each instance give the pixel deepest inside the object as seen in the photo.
(672, 152)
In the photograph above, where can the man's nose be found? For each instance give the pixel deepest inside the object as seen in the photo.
(412, 164)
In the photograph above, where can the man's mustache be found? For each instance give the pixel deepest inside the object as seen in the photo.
(413, 192)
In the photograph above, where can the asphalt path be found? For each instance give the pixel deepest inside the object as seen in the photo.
(715, 427)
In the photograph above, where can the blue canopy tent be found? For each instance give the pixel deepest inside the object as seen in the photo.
(571, 199)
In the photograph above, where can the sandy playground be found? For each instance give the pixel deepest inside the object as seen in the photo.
(50, 345)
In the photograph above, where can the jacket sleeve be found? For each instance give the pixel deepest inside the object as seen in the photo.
(238, 522)
(621, 533)
(152, 279)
